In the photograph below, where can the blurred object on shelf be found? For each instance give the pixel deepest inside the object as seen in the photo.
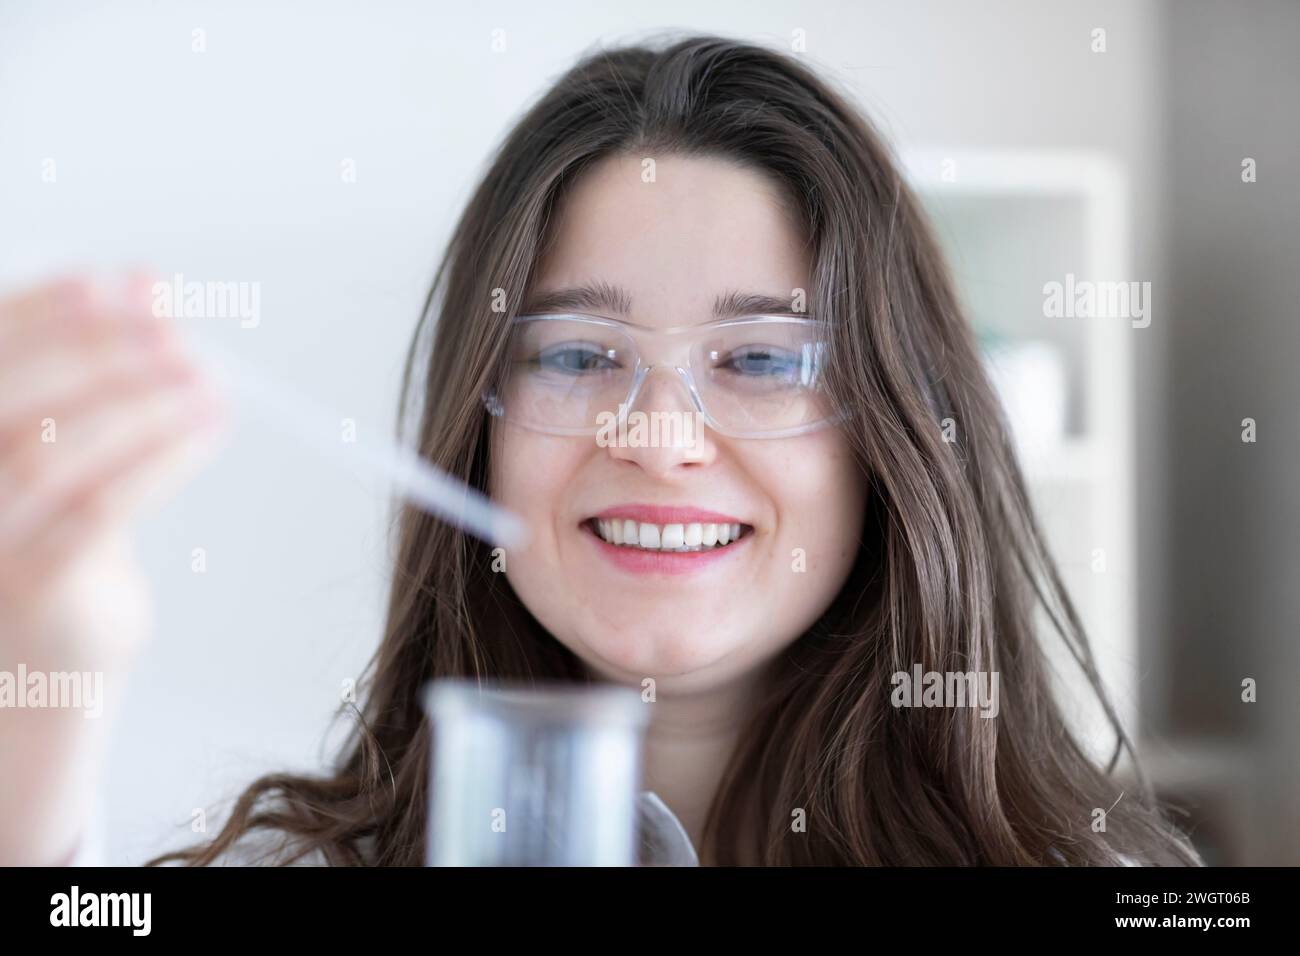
(1030, 378)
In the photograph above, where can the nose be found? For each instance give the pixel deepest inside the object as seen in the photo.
(662, 431)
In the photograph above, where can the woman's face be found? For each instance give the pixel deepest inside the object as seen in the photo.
(702, 229)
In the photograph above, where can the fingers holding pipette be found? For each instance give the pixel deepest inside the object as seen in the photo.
(100, 409)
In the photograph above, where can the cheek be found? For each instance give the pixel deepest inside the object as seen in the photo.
(819, 493)
(530, 473)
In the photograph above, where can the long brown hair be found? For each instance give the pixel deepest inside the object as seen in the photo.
(951, 569)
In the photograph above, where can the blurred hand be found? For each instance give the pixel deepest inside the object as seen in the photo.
(100, 411)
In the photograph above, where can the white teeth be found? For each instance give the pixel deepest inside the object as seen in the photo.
(697, 536)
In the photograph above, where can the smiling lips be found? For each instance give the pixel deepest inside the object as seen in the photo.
(667, 540)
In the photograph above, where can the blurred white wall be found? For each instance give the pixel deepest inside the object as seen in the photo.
(226, 165)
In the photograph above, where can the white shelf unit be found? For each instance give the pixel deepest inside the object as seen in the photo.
(1011, 221)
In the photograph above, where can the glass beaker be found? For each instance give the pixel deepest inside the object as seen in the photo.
(542, 774)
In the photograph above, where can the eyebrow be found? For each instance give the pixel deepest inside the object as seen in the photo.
(604, 297)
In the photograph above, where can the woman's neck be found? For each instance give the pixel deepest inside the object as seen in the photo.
(689, 744)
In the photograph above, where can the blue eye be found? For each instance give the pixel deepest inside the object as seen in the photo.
(574, 360)
(762, 361)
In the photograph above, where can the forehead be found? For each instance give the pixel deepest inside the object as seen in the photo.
(675, 235)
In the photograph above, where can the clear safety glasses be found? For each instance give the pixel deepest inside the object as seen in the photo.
(759, 376)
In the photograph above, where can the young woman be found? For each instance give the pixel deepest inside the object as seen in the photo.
(708, 229)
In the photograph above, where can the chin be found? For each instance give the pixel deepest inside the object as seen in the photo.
(661, 652)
